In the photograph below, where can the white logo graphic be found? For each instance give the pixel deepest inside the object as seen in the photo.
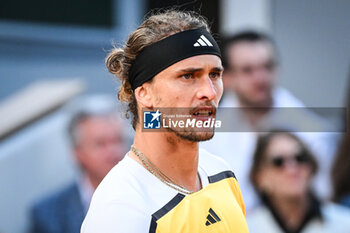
(151, 120)
(156, 115)
(202, 41)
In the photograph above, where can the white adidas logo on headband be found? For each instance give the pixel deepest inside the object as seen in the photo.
(202, 41)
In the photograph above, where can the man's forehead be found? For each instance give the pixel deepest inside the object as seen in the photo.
(250, 51)
(250, 45)
(200, 61)
(99, 120)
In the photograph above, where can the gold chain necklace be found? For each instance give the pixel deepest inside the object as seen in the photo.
(159, 174)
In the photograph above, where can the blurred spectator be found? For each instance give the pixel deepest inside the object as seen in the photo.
(98, 142)
(250, 79)
(341, 167)
(282, 171)
(250, 60)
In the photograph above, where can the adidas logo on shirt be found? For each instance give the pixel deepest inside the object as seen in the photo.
(212, 218)
(202, 41)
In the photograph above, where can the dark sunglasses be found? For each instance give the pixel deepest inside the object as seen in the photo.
(280, 161)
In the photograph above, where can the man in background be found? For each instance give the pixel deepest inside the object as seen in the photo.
(260, 104)
(98, 141)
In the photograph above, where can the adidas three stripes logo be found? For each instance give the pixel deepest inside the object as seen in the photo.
(202, 41)
(212, 218)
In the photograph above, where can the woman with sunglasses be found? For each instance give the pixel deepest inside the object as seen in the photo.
(282, 172)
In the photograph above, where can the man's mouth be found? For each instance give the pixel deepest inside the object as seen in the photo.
(204, 113)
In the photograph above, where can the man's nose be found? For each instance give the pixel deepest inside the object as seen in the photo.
(206, 89)
(262, 75)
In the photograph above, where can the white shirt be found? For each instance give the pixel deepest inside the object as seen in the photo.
(335, 219)
(129, 195)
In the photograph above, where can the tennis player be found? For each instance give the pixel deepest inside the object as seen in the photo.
(166, 183)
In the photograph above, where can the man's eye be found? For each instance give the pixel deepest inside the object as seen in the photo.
(187, 76)
(214, 75)
(247, 69)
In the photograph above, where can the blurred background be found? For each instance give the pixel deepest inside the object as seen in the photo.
(52, 52)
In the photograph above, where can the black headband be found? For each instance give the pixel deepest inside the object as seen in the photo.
(166, 52)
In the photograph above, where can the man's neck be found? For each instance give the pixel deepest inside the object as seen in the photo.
(255, 112)
(176, 158)
(94, 181)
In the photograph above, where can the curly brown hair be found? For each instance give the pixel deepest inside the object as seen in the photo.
(155, 27)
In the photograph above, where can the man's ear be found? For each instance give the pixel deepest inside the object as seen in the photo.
(143, 95)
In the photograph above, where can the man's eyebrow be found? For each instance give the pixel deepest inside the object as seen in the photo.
(218, 68)
(192, 70)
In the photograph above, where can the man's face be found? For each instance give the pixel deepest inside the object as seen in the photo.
(100, 145)
(252, 71)
(194, 83)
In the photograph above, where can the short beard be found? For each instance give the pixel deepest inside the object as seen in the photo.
(246, 102)
(193, 136)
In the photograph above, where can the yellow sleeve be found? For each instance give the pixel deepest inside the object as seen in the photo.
(238, 195)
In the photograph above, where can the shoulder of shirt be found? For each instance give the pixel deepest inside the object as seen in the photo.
(333, 214)
(212, 164)
(284, 98)
(119, 184)
(119, 199)
(122, 182)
